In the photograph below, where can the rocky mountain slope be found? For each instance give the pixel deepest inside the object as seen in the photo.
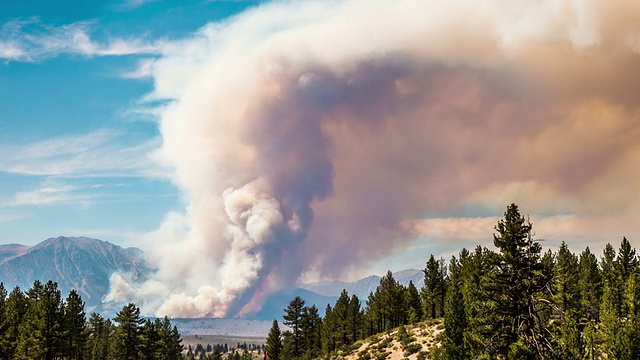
(78, 263)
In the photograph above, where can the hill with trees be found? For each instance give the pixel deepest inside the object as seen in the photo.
(514, 302)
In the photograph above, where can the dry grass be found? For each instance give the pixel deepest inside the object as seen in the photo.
(414, 343)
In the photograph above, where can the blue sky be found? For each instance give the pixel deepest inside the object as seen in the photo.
(75, 140)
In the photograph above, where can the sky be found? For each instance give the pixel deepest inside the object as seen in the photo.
(250, 145)
(77, 136)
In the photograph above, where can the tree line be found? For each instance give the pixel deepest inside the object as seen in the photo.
(514, 302)
(242, 351)
(39, 324)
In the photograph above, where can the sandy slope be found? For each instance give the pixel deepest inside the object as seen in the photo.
(417, 341)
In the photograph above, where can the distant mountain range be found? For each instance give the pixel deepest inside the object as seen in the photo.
(78, 263)
(86, 264)
(363, 287)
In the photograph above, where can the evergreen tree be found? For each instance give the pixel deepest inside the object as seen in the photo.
(54, 320)
(15, 310)
(99, 332)
(565, 282)
(74, 326)
(3, 322)
(149, 340)
(475, 270)
(127, 339)
(31, 342)
(340, 323)
(274, 342)
(590, 285)
(517, 282)
(310, 325)
(169, 345)
(434, 287)
(414, 304)
(292, 318)
(392, 297)
(455, 319)
(328, 331)
(354, 319)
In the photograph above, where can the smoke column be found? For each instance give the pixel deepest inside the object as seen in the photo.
(312, 137)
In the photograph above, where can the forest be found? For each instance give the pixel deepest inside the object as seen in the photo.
(514, 302)
(39, 324)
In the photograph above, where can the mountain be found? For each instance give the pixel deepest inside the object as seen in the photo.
(79, 263)
(86, 265)
(363, 287)
(275, 303)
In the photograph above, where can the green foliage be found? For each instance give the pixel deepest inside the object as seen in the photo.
(274, 342)
(293, 319)
(75, 319)
(127, 334)
(38, 324)
(434, 290)
(515, 291)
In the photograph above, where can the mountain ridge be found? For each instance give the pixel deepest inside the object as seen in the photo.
(86, 264)
(80, 263)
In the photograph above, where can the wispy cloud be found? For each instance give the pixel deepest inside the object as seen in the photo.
(103, 153)
(144, 69)
(31, 40)
(49, 195)
(129, 5)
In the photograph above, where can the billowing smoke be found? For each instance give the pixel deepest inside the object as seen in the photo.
(312, 137)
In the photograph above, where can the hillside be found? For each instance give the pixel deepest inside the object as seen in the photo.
(77, 263)
(409, 342)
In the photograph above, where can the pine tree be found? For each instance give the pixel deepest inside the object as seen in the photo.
(475, 269)
(127, 332)
(414, 304)
(455, 319)
(515, 288)
(328, 331)
(392, 297)
(31, 343)
(341, 320)
(590, 285)
(3, 321)
(433, 290)
(99, 333)
(15, 309)
(565, 282)
(74, 321)
(274, 342)
(169, 344)
(310, 325)
(292, 318)
(149, 340)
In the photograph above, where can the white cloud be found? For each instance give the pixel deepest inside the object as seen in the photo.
(129, 5)
(31, 40)
(103, 153)
(47, 195)
(143, 70)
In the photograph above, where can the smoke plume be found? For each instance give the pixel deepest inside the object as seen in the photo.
(313, 137)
